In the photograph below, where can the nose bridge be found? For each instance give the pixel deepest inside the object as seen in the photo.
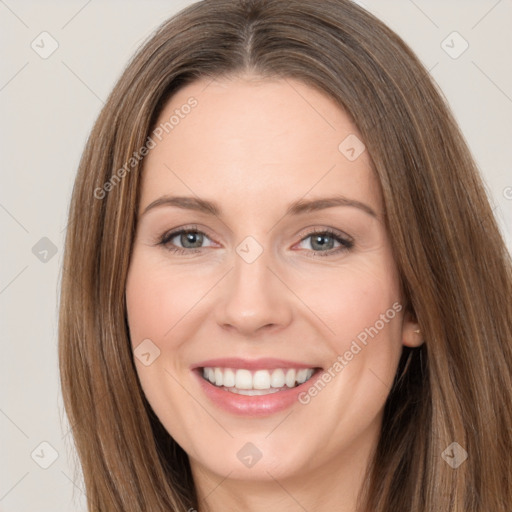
(253, 297)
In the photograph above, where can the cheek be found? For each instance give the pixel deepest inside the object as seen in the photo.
(353, 299)
(362, 313)
(158, 300)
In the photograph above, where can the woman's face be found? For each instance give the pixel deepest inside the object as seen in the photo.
(286, 274)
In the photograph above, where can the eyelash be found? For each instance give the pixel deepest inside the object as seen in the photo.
(345, 243)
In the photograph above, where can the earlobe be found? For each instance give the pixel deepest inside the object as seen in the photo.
(411, 333)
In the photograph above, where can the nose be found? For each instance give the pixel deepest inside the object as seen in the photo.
(253, 299)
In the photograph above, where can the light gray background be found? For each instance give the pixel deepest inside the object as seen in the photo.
(48, 107)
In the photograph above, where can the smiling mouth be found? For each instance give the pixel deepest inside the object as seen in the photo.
(256, 382)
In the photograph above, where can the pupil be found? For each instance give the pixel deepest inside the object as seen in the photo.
(321, 240)
(192, 238)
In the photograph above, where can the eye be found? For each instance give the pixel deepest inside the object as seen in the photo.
(323, 242)
(187, 240)
(190, 240)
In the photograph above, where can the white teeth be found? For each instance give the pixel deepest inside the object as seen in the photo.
(243, 379)
(277, 379)
(290, 378)
(302, 376)
(259, 382)
(229, 378)
(218, 377)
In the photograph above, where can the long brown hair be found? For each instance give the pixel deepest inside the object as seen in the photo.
(454, 266)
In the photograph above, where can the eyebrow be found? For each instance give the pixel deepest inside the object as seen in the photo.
(296, 208)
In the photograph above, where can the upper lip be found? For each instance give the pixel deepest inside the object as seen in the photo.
(265, 363)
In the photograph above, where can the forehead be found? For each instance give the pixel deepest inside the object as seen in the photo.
(241, 139)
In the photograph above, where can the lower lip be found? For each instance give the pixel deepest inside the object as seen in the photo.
(259, 405)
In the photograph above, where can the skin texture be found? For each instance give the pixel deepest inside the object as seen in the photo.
(254, 146)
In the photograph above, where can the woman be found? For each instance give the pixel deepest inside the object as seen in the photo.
(337, 335)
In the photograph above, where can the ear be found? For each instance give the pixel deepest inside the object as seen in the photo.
(411, 334)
